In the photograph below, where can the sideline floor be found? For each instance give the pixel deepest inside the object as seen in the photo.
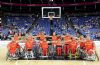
(3, 61)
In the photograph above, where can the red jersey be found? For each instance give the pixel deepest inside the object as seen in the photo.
(73, 46)
(89, 45)
(54, 39)
(44, 44)
(13, 47)
(67, 39)
(29, 44)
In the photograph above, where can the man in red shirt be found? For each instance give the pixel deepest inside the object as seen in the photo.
(42, 36)
(13, 46)
(59, 46)
(29, 42)
(89, 46)
(67, 41)
(73, 46)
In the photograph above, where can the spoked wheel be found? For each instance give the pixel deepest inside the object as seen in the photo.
(22, 53)
(40, 53)
(76, 55)
(29, 55)
(11, 57)
(7, 56)
(51, 52)
(92, 56)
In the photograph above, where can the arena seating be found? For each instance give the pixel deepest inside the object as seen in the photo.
(20, 21)
(61, 27)
(41, 25)
(87, 25)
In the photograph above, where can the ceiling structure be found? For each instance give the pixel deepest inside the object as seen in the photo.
(30, 6)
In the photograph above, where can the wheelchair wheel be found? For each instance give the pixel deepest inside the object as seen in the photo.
(7, 56)
(91, 57)
(51, 52)
(76, 55)
(40, 53)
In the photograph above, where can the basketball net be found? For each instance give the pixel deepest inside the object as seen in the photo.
(51, 17)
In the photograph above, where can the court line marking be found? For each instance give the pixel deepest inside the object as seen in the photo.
(84, 63)
(17, 62)
(6, 63)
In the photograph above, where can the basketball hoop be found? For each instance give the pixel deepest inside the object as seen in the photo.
(51, 12)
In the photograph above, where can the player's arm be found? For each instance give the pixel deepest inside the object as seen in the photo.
(8, 46)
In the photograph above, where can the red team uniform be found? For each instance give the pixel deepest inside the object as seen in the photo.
(89, 46)
(67, 40)
(44, 46)
(29, 43)
(59, 47)
(12, 47)
(73, 46)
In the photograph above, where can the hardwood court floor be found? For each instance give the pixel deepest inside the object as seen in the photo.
(3, 61)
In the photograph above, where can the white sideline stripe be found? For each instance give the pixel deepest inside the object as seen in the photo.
(17, 62)
(84, 63)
